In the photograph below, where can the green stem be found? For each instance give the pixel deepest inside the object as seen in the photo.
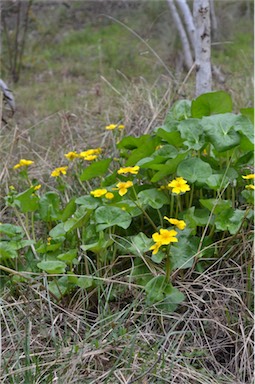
(168, 267)
(172, 206)
(191, 195)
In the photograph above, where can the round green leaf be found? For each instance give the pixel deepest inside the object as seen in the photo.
(194, 169)
(52, 266)
(153, 197)
(109, 216)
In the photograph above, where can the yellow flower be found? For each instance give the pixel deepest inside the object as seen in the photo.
(123, 186)
(248, 177)
(90, 152)
(23, 163)
(114, 126)
(134, 170)
(12, 188)
(180, 224)
(109, 195)
(49, 240)
(111, 127)
(163, 237)
(250, 186)
(71, 155)
(90, 157)
(98, 192)
(36, 187)
(179, 185)
(58, 171)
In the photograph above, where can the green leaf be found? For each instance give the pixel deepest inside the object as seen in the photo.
(68, 210)
(230, 219)
(144, 150)
(192, 133)
(168, 168)
(85, 282)
(139, 244)
(96, 169)
(68, 256)
(153, 197)
(196, 217)
(248, 112)
(11, 231)
(131, 142)
(211, 104)
(182, 253)
(216, 205)
(220, 131)
(7, 250)
(140, 272)
(60, 287)
(52, 266)
(27, 200)
(217, 181)
(163, 294)
(109, 216)
(49, 206)
(245, 159)
(88, 201)
(194, 169)
(248, 196)
(79, 219)
(244, 126)
(158, 257)
(179, 111)
(128, 206)
(57, 231)
(158, 157)
(173, 138)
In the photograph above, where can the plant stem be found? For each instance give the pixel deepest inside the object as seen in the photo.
(191, 195)
(168, 267)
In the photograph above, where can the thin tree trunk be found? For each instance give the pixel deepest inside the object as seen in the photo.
(188, 60)
(188, 20)
(214, 23)
(201, 13)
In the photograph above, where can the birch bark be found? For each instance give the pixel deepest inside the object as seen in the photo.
(188, 20)
(183, 35)
(201, 14)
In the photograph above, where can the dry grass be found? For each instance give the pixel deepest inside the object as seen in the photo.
(208, 341)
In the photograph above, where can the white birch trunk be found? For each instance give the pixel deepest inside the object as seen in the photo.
(184, 39)
(188, 20)
(201, 13)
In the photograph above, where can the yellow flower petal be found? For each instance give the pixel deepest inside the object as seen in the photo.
(248, 177)
(98, 192)
(58, 171)
(23, 163)
(71, 155)
(180, 224)
(134, 170)
(250, 186)
(155, 248)
(109, 195)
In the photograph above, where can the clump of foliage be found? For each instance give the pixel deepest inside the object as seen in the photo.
(159, 205)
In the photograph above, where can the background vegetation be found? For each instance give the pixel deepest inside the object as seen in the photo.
(87, 65)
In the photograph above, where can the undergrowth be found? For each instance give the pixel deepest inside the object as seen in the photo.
(138, 282)
(139, 248)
